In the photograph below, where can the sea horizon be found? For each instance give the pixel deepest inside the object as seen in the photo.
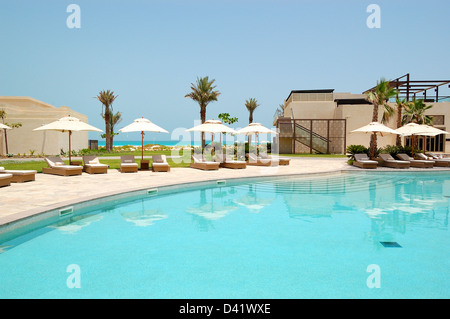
(160, 142)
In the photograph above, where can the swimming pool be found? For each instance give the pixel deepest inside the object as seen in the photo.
(348, 235)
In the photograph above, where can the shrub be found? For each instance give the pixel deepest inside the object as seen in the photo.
(356, 149)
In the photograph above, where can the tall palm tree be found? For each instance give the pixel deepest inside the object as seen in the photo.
(380, 96)
(114, 119)
(107, 98)
(401, 104)
(203, 93)
(251, 104)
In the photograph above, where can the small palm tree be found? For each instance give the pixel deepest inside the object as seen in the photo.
(107, 98)
(415, 112)
(11, 125)
(203, 92)
(380, 97)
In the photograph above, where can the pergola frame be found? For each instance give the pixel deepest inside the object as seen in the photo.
(409, 89)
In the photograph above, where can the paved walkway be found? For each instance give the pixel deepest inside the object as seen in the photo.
(50, 191)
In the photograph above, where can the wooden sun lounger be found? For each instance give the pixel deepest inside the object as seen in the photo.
(128, 164)
(276, 159)
(438, 162)
(20, 176)
(56, 166)
(258, 161)
(160, 163)
(363, 161)
(416, 163)
(92, 165)
(389, 161)
(200, 163)
(226, 162)
(5, 179)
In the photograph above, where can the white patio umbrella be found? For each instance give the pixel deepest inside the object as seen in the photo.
(68, 124)
(212, 126)
(255, 129)
(142, 125)
(5, 127)
(375, 128)
(414, 129)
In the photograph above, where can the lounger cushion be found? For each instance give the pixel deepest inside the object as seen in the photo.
(128, 164)
(5, 176)
(20, 172)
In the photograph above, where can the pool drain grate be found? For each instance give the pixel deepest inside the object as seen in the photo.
(390, 244)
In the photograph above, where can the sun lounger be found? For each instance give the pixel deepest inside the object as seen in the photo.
(128, 164)
(56, 166)
(389, 161)
(5, 179)
(276, 159)
(363, 161)
(20, 176)
(199, 162)
(258, 161)
(416, 163)
(438, 162)
(92, 165)
(160, 163)
(439, 159)
(227, 162)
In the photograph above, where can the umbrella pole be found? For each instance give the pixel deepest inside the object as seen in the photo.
(70, 148)
(142, 149)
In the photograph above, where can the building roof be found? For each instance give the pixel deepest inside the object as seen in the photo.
(310, 91)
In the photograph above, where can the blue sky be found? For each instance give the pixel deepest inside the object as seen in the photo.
(149, 52)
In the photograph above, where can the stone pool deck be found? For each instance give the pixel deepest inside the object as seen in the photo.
(48, 192)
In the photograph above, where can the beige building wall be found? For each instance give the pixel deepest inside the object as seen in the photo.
(32, 114)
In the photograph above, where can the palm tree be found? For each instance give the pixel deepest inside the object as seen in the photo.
(401, 104)
(251, 104)
(380, 96)
(203, 93)
(107, 98)
(114, 119)
(11, 125)
(415, 112)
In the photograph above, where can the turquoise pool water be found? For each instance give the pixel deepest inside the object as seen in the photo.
(308, 237)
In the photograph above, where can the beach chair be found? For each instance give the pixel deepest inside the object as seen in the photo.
(92, 165)
(416, 163)
(56, 166)
(5, 179)
(227, 162)
(160, 164)
(258, 161)
(389, 161)
(363, 161)
(276, 159)
(438, 162)
(128, 164)
(199, 162)
(20, 176)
